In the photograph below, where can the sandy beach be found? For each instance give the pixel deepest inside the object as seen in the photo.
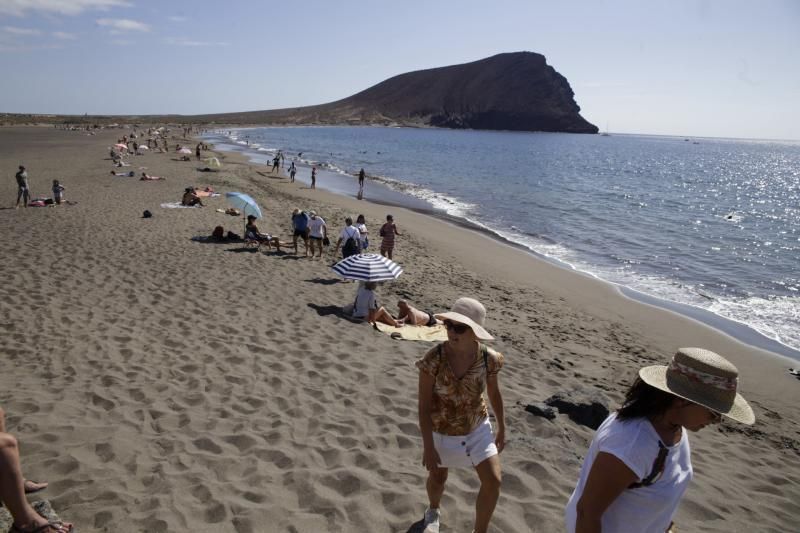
(163, 384)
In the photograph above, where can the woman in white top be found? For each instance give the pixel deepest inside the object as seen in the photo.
(361, 224)
(639, 463)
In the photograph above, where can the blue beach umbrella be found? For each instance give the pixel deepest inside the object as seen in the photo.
(244, 203)
(368, 267)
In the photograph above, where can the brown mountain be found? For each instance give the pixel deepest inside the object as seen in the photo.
(514, 91)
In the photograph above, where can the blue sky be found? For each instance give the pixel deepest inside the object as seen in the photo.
(726, 68)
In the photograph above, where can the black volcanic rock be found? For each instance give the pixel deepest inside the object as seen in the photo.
(515, 91)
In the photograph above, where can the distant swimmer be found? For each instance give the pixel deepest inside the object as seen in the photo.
(300, 154)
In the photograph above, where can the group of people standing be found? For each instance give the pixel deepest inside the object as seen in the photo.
(24, 191)
(353, 237)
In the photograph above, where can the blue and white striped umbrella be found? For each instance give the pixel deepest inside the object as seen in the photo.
(368, 267)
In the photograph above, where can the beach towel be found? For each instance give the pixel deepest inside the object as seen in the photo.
(414, 333)
(177, 205)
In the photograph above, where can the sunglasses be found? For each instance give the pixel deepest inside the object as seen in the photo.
(456, 327)
(658, 468)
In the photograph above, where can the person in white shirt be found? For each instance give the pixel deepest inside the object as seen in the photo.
(317, 232)
(349, 232)
(639, 462)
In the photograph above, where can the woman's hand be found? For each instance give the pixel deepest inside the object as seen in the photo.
(500, 439)
(430, 458)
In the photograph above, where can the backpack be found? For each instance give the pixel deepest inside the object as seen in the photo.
(350, 246)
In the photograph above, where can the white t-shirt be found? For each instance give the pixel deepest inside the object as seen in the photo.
(645, 509)
(365, 300)
(349, 231)
(315, 227)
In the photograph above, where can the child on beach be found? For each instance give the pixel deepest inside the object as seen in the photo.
(58, 192)
(453, 418)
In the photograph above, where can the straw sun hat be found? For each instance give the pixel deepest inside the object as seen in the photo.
(471, 312)
(703, 377)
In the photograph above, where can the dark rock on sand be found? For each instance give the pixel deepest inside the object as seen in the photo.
(585, 407)
(514, 91)
(540, 409)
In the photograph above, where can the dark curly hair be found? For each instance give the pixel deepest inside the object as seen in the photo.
(642, 401)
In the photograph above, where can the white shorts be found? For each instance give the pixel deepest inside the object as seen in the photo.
(462, 451)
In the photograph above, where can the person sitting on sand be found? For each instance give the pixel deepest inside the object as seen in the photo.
(638, 465)
(251, 232)
(366, 306)
(13, 488)
(58, 192)
(411, 316)
(128, 174)
(453, 417)
(190, 198)
(148, 177)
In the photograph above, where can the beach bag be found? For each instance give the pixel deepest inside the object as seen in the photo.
(147, 214)
(233, 236)
(218, 233)
(350, 246)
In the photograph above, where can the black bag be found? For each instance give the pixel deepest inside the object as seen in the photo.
(234, 236)
(326, 241)
(350, 247)
(147, 214)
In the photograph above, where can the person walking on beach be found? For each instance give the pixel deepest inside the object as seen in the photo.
(453, 416)
(23, 191)
(317, 232)
(387, 233)
(361, 176)
(197, 151)
(292, 172)
(313, 177)
(300, 227)
(276, 162)
(351, 238)
(361, 224)
(639, 462)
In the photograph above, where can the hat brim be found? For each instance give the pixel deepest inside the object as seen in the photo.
(481, 333)
(740, 410)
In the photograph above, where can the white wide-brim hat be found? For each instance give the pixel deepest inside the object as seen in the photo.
(703, 377)
(470, 312)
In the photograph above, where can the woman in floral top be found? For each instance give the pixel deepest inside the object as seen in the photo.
(453, 417)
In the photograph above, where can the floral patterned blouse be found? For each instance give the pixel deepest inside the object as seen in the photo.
(458, 405)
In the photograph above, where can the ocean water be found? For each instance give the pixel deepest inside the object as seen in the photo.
(706, 224)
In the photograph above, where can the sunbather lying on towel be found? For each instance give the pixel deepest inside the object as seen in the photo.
(128, 174)
(412, 316)
(148, 177)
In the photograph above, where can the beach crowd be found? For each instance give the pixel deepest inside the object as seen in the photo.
(637, 467)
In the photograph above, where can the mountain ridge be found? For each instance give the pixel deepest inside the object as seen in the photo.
(512, 91)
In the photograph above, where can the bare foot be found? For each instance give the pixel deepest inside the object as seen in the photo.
(33, 486)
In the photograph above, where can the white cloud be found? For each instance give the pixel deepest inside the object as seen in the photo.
(120, 25)
(181, 41)
(20, 31)
(63, 7)
(177, 18)
(63, 35)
